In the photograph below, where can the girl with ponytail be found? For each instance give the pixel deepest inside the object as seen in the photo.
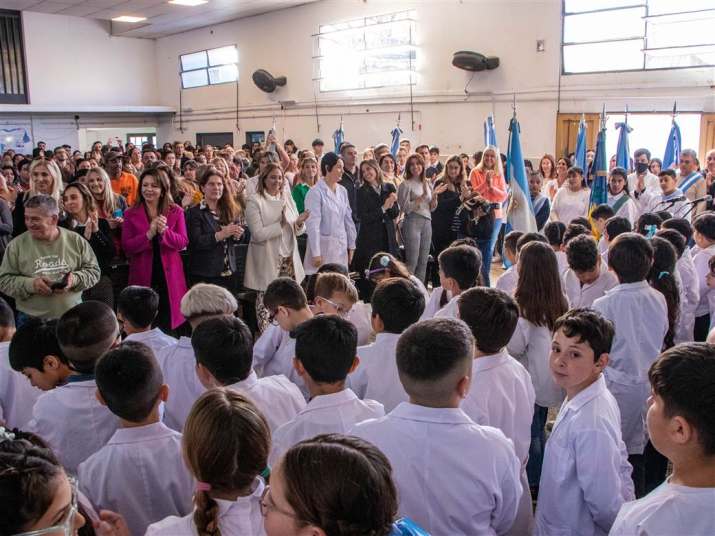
(226, 444)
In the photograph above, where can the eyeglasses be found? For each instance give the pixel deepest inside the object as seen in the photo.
(267, 505)
(341, 310)
(66, 528)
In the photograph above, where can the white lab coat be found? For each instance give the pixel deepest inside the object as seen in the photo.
(640, 317)
(376, 376)
(667, 510)
(178, 364)
(153, 338)
(432, 304)
(453, 476)
(325, 414)
(240, 517)
(421, 286)
(628, 209)
(568, 205)
(17, 395)
(701, 257)
(656, 202)
(73, 422)
(501, 395)
(450, 310)
(586, 476)
(508, 280)
(141, 473)
(273, 355)
(531, 346)
(584, 295)
(360, 316)
(689, 297)
(276, 397)
(330, 227)
(562, 261)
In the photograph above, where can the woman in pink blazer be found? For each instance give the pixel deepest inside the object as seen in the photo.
(153, 235)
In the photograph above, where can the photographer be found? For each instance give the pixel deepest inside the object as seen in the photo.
(474, 219)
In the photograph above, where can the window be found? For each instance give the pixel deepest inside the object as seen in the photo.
(139, 139)
(209, 67)
(366, 53)
(12, 59)
(651, 131)
(629, 35)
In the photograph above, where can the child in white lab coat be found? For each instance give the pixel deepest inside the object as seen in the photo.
(225, 443)
(554, 232)
(140, 471)
(587, 277)
(137, 308)
(507, 280)
(396, 305)
(640, 315)
(35, 353)
(704, 236)
(223, 350)
(459, 269)
(681, 427)
(69, 417)
(501, 394)
(202, 302)
(615, 226)
(325, 353)
(541, 301)
(453, 475)
(599, 216)
(586, 475)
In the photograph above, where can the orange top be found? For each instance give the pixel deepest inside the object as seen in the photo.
(126, 185)
(496, 193)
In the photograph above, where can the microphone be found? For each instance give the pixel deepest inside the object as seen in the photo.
(671, 202)
(700, 199)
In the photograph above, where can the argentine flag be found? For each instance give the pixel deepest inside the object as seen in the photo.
(520, 213)
(490, 133)
(672, 149)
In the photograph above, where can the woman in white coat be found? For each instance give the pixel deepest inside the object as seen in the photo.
(273, 220)
(330, 227)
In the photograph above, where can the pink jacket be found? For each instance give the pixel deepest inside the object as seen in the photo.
(139, 252)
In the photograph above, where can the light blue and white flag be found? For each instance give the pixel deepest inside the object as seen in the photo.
(339, 137)
(672, 149)
(490, 133)
(520, 212)
(395, 146)
(580, 155)
(623, 152)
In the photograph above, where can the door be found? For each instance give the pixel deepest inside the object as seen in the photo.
(567, 132)
(707, 137)
(217, 139)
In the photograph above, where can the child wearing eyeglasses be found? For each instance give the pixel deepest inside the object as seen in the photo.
(226, 443)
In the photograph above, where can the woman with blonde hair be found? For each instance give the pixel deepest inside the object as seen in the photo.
(304, 180)
(487, 180)
(110, 206)
(274, 222)
(45, 178)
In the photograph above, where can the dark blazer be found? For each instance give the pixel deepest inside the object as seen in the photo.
(206, 255)
(377, 228)
(100, 241)
(352, 184)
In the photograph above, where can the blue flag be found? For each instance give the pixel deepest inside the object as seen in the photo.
(672, 148)
(395, 146)
(490, 134)
(580, 156)
(338, 138)
(599, 170)
(520, 212)
(623, 153)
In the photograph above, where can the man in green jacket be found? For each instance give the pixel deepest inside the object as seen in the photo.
(46, 268)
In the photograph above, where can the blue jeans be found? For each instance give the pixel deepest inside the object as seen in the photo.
(536, 448)
(486, 248)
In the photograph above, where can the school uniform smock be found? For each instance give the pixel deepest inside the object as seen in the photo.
(624, 206)
(325, 414)
(568, 205)
(330, 226)
(580, 295)
(178, 364)
(675, 203)
(453, 476)
(701, 257)
(17, 395)
(140, 472)
(501, 395)
(640, 317)
(376, 376)
(586, 476)
(273, 355)
(240, 517)
(153, 338)
(689, 297)
(531, 346)
(669, 509)
(277, 397)
(450, 310)
(72, 421)
(432, 304)
(562, 261)
(508, 280)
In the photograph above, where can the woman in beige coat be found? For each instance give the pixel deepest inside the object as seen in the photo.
(273, 220)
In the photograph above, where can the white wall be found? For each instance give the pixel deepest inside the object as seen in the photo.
(281, 42)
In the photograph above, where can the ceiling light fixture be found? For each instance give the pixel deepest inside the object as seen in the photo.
(190, 3)
(128, 18)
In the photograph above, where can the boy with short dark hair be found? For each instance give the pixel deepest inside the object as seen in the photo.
(587, 277)
(572, 231)
(140, 471)
(137, 308)
(681, 426)
(453, 475)
(224, 358)
(502, 394)
(69, 417)
(704, 236)
(670, 198)
(507, 280)
(17, 395)
(641, 316)
(396, 304)
(325, 353)
(586, 475)
(35, 352)
(459, 269)
(614, 226)
(600, 215)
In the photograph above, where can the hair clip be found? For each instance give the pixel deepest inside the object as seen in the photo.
(203, 486)
(6, 435)
(384, 261)
(266, 472)
(662, 274)
(650, 230)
